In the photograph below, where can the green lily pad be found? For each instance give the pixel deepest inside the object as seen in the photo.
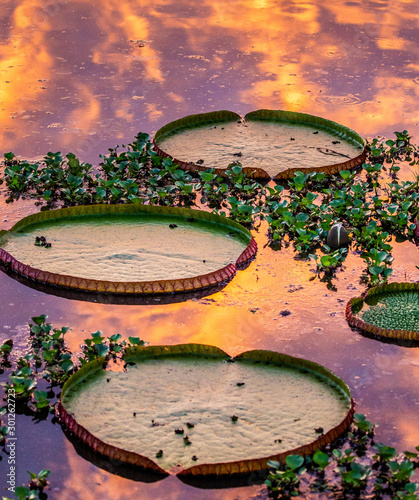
(389, 310)
(267, 143)
(133, 249)
(192, 410)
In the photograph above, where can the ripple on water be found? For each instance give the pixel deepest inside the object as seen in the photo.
(341, 99)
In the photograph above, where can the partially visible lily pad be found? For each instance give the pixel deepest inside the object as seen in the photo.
(267, 143)
(389, 310)
(128, 249)
(192, 410)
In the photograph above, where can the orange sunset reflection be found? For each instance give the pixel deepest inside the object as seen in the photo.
(394, 378)
(36, 94)
(97, 484)
(86, 75)
(236, 319)
(23, 59)
(75, 80)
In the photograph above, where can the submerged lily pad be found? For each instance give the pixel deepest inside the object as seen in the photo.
(268, 143)
(192, 410)
(389, 310)
(130, 249)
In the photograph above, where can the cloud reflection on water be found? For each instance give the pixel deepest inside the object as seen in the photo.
(85, 75)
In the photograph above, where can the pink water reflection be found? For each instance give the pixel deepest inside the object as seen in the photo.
(87, 75)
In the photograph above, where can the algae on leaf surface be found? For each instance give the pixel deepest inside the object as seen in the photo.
(395, 311)
(389, 310)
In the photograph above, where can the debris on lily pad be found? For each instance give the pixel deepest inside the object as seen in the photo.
(267, 143)
(280, 404)
(127, 249)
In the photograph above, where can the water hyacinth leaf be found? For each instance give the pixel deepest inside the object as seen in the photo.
(294, 461)
(49, 355)
(360, 421)
(102, 350)
(100, 191)
(321, 459)
(43, 474)
(345, 174)
(207, 177)
(326, 260)
(26, 371)
(128, 249)
(23, 492)
(39, 320)
(97, 337)
(135, 341)
(302, 217)
(7, 346)
(385, 452)
(381, 256)
(193, 369)
(375, 270)
(67, 365)
(40, 394)
(411, 487)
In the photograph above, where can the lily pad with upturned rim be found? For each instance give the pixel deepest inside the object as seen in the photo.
(268, 143)
(389, 310)
(191, 410)
(198, 248)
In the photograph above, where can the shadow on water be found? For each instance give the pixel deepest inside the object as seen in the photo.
(115, 298)
(387, 340)
(143, 475)
(113, 466)
(73, 80)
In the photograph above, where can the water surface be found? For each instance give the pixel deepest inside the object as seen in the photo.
(85, 76)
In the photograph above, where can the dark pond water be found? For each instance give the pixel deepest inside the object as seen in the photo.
(83, 76)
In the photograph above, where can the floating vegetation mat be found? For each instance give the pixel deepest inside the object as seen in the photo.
(267, 143)
(390, 310)
(192, 410)
(130, 249)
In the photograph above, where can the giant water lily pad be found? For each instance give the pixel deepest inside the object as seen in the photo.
(268, 143)
(130, 249)
(192, 410)
(389, 310)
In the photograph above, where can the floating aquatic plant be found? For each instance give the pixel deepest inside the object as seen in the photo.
(243, 413)
(128, 249)
(268, 143)
(353, 465)
(34, 490)
(390, 311)
(357, 468)
(372, 207)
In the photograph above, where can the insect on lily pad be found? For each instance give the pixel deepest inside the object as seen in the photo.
(390, 311)
(236, 429)
(127, 249)
(268, 143)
